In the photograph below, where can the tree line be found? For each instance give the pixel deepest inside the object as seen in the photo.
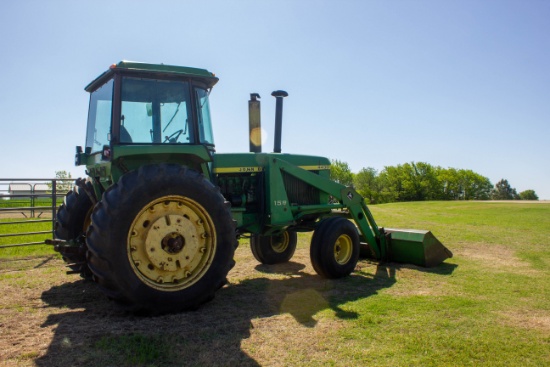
(418, 181)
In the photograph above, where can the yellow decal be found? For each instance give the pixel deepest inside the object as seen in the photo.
(315, 168)
(238, 169)
(261, 169)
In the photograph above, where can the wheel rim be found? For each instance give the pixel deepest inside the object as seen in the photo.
(343, 248)
(279, 243)
(171, 243)
(87, 219)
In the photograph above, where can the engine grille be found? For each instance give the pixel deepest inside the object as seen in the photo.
(299, 192)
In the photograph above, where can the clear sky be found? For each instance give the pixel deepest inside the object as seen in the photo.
(462, 84)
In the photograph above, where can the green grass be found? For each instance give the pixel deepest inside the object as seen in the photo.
(39, 214)
(523, 227)
(492, 310)
(25, 251)
(489, 305)
(26, 202)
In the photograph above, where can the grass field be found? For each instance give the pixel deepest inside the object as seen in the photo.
(25, 226)
(27, 202)
(33, 216)
(487, 306)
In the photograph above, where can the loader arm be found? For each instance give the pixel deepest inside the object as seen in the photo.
(418, 247)
(349, 199)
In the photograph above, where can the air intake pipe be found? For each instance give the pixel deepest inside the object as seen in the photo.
(279, 95)
(254, 123)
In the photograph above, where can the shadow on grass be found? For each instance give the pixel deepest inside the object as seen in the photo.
(27, 262)
(91, 332)
(45, 261)
(441, 269)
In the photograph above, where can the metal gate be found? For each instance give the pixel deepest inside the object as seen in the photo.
(25, 201)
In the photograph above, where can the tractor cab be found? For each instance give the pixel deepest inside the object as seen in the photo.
(157, 109)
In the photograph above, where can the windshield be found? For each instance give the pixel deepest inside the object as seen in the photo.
(155, 111)
(99, 117)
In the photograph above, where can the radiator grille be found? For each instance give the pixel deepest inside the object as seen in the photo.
(299, 192)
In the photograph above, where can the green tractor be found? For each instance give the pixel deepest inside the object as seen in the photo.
(157, 221)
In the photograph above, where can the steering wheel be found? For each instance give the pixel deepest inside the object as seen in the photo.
(174, 137)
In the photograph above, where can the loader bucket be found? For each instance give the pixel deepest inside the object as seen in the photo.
(416, 247)
(411, 246)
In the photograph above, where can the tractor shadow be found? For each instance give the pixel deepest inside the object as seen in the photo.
(89, 331)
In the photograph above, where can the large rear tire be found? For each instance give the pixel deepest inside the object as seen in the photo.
(162, 240)
(275, 249)
(72, 221)
(334, 248)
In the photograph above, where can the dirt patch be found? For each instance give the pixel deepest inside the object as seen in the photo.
(267, 315)
(314, 347)
(528, 319)
(495, 257)
(26, 214)
(411, 280)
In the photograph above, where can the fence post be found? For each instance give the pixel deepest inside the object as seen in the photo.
(54, 205)
(32, 200)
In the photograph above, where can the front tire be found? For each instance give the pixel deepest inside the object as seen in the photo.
(162, 240)
(334, 248)
(275, 249)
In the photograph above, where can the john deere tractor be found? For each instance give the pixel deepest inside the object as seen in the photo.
(158, 218)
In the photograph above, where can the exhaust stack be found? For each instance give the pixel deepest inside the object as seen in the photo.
(254, 123)
(279, 95)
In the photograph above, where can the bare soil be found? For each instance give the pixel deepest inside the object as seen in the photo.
(266, 315)
(495, 257)
(26, 214)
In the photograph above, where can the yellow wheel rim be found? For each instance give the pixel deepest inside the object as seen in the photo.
(343, 248)
(279, 243)
(171, 243)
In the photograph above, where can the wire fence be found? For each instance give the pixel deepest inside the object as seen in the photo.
(28, 209)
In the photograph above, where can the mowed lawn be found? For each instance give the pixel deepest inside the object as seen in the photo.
(489, 305)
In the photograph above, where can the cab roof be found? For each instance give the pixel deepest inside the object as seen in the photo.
(131, 67)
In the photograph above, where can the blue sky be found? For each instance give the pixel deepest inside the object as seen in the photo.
(462, 84)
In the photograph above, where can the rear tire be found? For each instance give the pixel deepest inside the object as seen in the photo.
(275, 249)
(162, 240)
(334, 248)
(72, 221)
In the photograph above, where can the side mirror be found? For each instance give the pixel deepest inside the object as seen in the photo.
(149, 107)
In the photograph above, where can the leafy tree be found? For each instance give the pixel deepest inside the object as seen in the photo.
(449, 183)
(390, 184)
(64, 183)
(463, 184)
(421, 181)
(367, 184)
(503, 191)
(475, 186)
(528, 195)
(424, 181)
(409, 182)
(341, 173)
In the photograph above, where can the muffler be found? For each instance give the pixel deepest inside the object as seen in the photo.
(279, 95)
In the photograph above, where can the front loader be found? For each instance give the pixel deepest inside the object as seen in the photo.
(158, 218)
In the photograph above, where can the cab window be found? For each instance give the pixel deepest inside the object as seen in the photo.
(155, 111)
